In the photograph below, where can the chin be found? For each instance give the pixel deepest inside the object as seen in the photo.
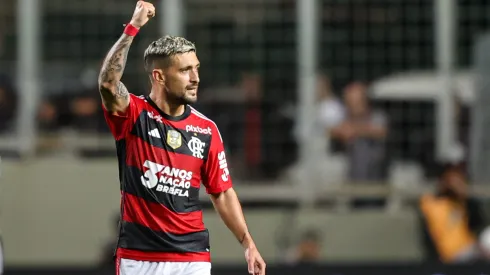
(190, 99)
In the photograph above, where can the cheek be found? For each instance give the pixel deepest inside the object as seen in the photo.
(174, 81)
(183, 80)
(180, 78)
(186, 79)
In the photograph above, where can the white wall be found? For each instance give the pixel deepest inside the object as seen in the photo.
(60, 211)
(57, 210)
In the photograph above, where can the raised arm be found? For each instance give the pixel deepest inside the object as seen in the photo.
(115, 96)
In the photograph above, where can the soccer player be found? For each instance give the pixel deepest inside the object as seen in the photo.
(165, 150)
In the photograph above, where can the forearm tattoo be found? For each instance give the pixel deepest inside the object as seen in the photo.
(242, 239)
(113, 67)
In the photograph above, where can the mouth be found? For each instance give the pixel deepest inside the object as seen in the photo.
(192, 90)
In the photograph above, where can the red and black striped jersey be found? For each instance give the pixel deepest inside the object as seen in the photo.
(162, 162)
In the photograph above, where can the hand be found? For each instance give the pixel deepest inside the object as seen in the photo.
(142, 13)
(256, 265)
(457, 184)
(347, 132)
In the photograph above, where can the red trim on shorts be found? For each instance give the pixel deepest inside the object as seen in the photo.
(162, 256)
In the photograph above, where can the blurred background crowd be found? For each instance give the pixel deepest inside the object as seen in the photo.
(365, 119)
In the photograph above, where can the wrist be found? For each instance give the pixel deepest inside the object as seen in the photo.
(131, 29)
(248, 242)
(135, 24)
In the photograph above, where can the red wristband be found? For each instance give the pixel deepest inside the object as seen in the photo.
(131, 30)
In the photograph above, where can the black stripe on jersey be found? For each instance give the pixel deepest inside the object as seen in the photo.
(138, 237)
(144, 125)
(121, 158)
(121, 161)
(179, 204)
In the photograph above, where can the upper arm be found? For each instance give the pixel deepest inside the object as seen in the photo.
(115, 96)
(331, 115)
(120, 122)
(216, 175)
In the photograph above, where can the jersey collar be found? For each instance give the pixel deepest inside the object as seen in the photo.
(183, 116)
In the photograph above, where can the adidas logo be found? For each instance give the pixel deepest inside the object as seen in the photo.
(154, 133)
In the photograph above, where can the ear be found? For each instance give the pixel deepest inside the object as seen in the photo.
(158, 75)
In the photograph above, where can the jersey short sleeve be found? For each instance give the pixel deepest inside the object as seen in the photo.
(216, 176)
(120, 123)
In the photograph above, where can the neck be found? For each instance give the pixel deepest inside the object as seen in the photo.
(162, 102)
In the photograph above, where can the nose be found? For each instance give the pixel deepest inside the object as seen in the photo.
(195, 77)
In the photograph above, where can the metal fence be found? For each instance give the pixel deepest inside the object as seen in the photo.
(269, 49)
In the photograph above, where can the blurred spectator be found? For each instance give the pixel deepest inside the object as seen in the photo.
(330, 109)
(462, 119)
(252, 141)
(308, 249)
(363, 132)
(238, 114)
(85, 111)
(8, 104)
(451, 220)
(48, 116)
(84, 107)
(257, 133)
(268, 145)
(80, 111)
(48, 119)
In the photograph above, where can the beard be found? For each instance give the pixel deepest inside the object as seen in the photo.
(180, 99)
(187, 99)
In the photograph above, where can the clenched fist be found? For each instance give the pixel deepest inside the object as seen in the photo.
(142, 13)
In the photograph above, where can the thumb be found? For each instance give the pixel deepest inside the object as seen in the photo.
(250, 261)
(251, 266)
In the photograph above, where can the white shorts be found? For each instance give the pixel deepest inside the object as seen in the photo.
(133, 267)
